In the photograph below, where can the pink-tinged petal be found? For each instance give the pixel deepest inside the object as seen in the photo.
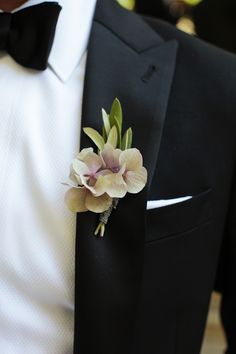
(93, 162)
(85, 182)
(80, 168)
(83, 153)
(98, 204)
(103, 173)
(75, 199)
(113, 184)
(136, 181)
(110, 156)
(132, 158)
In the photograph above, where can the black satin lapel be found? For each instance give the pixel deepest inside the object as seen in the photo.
(109, 270)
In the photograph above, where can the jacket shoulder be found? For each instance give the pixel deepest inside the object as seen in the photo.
(193, 47)
(202, 62)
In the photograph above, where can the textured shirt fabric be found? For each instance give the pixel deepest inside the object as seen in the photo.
(40, 118)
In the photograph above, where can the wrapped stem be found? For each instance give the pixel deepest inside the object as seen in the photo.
(104, 217)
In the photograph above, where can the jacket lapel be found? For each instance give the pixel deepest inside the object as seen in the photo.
(126, 59)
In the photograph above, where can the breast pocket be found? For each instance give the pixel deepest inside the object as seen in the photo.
(179, 218)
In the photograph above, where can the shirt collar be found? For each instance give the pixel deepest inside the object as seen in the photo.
(72, 35)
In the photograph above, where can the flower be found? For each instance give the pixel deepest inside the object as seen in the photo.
(135, 175)
(99, 180)
(84, 174)
(111, 181)
(128, 173)
(81, 199)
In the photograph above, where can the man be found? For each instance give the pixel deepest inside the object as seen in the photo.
(145, 287)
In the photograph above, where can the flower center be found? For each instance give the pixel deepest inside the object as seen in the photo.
(115, 169)
(91, 179)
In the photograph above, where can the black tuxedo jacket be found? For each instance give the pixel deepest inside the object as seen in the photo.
(145, 287)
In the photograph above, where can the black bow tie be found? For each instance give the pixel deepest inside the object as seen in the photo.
(27, 35)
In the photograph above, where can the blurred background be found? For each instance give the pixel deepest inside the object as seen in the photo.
(212, 20)
(215, 22)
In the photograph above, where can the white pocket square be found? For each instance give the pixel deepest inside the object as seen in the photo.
(153, 204)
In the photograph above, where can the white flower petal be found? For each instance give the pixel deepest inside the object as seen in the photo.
(113, 184)
(98, 204)
(70, 184)
(132, 158)
(93, 162)
(75, 199)
(136, 181)
(78, 180)
(80, 168)
(83, 153)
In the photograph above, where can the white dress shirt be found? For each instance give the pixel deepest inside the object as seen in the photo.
(40, 118)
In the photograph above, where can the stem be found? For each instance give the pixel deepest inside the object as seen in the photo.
(104, 217)
(100, 228)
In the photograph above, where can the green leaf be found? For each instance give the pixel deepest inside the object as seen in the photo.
(118, 127)
(116, 111)
(130, 138)
(127, 139)
(106, 122)
(112, 137)
(95, 137)
(104, 134)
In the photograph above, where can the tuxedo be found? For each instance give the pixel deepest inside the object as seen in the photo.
(145, 287)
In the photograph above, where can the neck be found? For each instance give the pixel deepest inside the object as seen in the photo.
(9, 5)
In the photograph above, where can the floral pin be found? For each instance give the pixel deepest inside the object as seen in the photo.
(99, 180)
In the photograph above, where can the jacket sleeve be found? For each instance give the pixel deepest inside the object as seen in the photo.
(226, 277)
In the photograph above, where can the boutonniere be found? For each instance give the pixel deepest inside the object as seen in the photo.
(99, 179)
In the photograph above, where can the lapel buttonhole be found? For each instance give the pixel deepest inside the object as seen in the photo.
(149, 73)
